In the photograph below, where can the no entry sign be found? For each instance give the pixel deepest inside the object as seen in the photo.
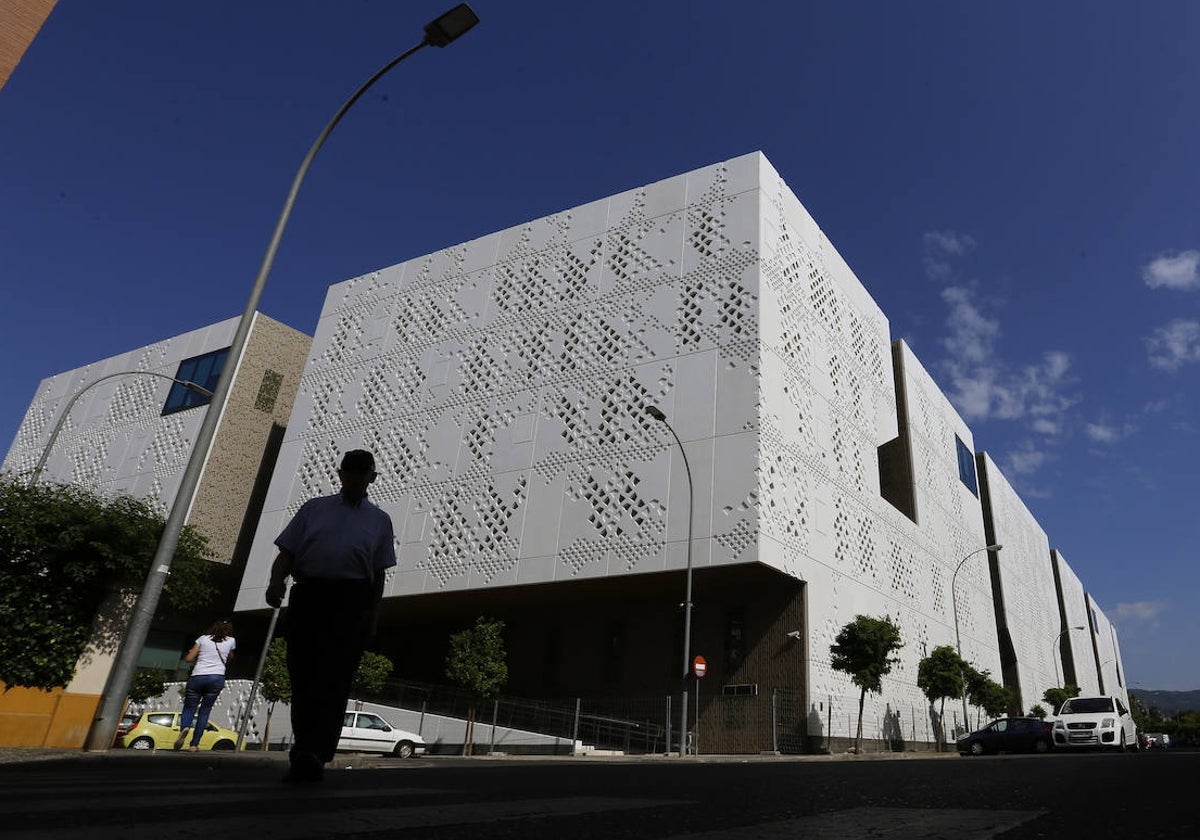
(699, 666)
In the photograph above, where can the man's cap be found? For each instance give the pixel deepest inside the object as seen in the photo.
(358, 461)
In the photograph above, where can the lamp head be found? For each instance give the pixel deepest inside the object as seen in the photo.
(450, 26)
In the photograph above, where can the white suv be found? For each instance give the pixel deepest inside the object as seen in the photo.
(1095, 722)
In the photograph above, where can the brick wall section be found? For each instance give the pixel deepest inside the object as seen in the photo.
(262, 396)
(20, 21)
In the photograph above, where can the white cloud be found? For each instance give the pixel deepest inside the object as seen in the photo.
(1103, 432)
(939, 246)
(1138, 611)
(975, 377)
(949, 243)
(1174, 345)
(1181, 271)
(1026, 459)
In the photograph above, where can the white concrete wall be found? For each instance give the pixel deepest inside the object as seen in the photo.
(1076, 607)
(116, 439)
(1109, 650)
(503, 385)
(1027, 587)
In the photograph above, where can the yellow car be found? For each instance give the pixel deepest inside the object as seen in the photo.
(160, 731)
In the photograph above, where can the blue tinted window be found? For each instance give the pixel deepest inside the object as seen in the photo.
(204, 371)
(966, 466)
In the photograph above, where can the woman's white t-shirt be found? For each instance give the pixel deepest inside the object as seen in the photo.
(213, 655)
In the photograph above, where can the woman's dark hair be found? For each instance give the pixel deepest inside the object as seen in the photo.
(220, 630)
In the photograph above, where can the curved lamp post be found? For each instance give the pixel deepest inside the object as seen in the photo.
(438, 33)
(66, 412)
(1054, 651)
(657, 414)
(954, 599)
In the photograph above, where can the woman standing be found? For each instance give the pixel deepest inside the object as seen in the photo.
(211, 653)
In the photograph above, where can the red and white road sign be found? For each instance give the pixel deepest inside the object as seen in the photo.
(699, 666)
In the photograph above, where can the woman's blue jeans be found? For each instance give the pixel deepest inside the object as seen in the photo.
(201, 691)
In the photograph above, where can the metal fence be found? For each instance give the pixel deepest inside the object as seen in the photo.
(634, 725)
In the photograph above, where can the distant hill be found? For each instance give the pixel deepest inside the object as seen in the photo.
(1168, 703)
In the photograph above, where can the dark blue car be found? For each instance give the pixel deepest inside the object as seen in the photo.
(1018, 734)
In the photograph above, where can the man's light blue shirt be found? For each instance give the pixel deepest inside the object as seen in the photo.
(330, 538)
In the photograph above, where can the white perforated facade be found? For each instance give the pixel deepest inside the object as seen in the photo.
(503, 385)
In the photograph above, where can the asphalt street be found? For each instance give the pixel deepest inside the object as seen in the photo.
(128, 795)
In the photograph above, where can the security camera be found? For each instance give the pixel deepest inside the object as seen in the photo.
(794, 634)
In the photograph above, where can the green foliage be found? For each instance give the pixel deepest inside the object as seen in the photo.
(372, 673)
(863, 649)
(1057, 696)
(1038, 711)
(986, 693)
(275, 684)
(147, 683)
(477, 659)
(940, 674)
(63, 552)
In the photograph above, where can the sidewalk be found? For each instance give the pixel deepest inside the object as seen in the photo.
(20, 755)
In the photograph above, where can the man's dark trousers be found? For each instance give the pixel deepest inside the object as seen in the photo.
(326, 634)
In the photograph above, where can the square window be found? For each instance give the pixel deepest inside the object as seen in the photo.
(966, 466)
(200, 370)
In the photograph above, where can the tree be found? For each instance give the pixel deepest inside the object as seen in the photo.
(477, 662)
(373, 671)
(275, 685)
(986, 693)
(64, 551)
(863, 649)
(940, 675)
(147, 683)
(1057, 696)
(1038, 711)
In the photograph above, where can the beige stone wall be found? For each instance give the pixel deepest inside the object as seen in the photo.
(262, 396)
(20, 21)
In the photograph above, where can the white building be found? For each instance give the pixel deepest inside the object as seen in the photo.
(503, 385)
(124, 426)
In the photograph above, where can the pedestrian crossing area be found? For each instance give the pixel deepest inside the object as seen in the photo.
(204, 801)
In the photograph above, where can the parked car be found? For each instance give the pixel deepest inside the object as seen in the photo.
(368, 732)
(1018, 734)
(127, 722)
(1095, 722)
(1156, 740)
(160, 731)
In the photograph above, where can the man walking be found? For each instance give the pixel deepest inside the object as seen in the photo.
(336, 550)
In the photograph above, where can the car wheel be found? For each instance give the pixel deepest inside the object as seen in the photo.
(404, 749)
(142, 743)
(1041, 745)
(224, 744)
(977, 748)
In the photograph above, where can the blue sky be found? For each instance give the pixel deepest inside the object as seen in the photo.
(1016, 184)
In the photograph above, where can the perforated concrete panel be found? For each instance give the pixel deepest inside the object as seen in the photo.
(1075, 607)
(116, 439)
(1030, 604)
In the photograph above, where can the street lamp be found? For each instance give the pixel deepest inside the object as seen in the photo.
(62, 418)
(1054, 650)
(954, 599)
(438, 33)
(657, 414)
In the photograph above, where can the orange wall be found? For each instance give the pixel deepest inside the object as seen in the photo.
(31, 717)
